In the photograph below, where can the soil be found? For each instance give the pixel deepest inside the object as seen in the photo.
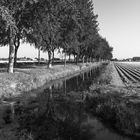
(110, 81)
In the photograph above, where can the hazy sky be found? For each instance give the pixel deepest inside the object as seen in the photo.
(119, 22)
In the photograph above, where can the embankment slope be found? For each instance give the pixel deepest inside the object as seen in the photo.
(25, 80)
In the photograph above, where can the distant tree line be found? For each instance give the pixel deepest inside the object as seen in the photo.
(70, 25)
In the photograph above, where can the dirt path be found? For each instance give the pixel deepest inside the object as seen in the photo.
(115, 78)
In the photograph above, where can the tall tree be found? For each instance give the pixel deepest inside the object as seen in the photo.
(45, 25)
(89, 26)
(103, 49)
(11, 13)
(10, 27)
(68, 29)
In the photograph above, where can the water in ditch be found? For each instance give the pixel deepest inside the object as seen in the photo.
(57, 113)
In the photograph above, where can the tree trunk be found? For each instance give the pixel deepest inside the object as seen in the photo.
(83, 59)
(15, 58)
(65, 60)
(39, 55)
(74, 57)
(69, 57)
(11, 54)
(90, 59)
(77, 59)
(87, 59)
(17, 44)
(53, 56)
(49, 59)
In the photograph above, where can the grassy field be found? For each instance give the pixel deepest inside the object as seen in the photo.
(27, 77)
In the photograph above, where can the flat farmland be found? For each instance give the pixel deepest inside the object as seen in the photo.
(129, 72)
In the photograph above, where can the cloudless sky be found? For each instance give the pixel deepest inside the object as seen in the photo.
(25, 50)
(119, 22)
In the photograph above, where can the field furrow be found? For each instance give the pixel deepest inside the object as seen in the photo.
(129, 73)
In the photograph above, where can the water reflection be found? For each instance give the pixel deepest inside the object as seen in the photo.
(57, 119)
(58, 113)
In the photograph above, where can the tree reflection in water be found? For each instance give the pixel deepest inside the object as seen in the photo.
(57, 113)
(52, 119)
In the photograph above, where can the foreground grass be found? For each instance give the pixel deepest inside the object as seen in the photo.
(29, 77)
(118, 112)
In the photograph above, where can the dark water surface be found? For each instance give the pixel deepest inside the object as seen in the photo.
(57, 113)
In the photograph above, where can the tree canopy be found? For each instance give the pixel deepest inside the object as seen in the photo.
(52, 24)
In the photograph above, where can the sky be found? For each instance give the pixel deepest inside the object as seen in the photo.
(119, 23)
(25, 50)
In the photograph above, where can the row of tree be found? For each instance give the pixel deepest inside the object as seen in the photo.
(70, 25)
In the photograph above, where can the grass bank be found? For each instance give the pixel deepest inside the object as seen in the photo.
(115, 106)
(32, 77)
